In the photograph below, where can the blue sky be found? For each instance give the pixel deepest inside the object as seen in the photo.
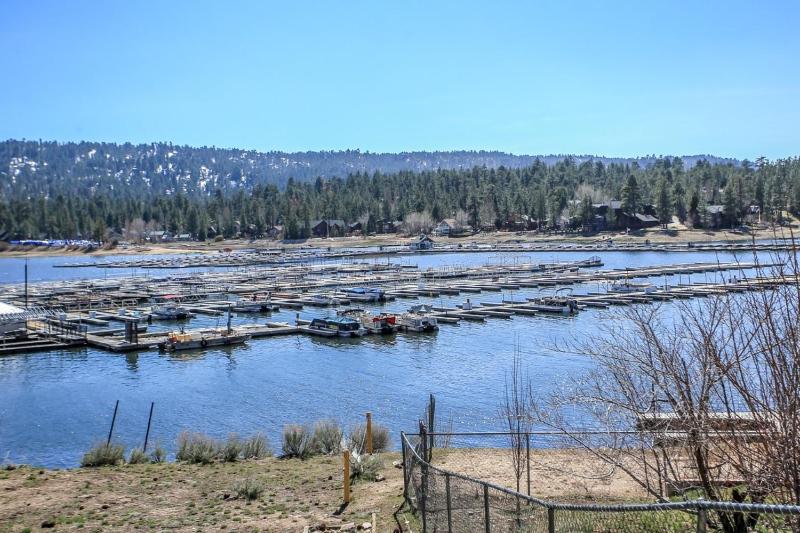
(610, 78)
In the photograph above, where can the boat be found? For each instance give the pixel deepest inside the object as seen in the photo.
(560, 305)
(418, 319)
(202, 339)
(341, 325)
(253, 306)
(323, 299)
(170, 312)
(365, 294)
(381, 323)
(629, 286)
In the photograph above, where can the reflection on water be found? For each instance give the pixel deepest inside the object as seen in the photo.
(53, 406)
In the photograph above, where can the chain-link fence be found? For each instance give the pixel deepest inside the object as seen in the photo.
(448, 501)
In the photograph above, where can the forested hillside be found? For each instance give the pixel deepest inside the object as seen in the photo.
(50, 190)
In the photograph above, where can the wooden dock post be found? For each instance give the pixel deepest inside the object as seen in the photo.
(369, 433)
(346, 471)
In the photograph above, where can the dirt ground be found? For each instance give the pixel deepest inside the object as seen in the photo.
(562, 475)
(297, 493)
(182, 497)
(676, 233)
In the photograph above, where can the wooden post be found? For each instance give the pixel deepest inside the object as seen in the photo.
(701, 521)
(369, 433)
(528, 459)
(346, 470)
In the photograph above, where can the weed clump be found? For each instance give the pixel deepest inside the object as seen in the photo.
(297, 442)
(158, 455)
(231, 450)
(256, 447)
(248, 489)
(365, 467)
(104, 455)
(138, 457)
(327, 437)
(196, 448)
(357, 440)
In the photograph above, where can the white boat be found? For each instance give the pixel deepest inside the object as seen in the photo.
(170, 312)
(418, 319)
(253, 306)
(323, 299)
(365, 294)
(559, 305)
(628, 286)
(202, 339)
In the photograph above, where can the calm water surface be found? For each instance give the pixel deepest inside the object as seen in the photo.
(53, 406)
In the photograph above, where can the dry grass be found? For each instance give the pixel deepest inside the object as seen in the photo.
(193, 497)
(184, 497)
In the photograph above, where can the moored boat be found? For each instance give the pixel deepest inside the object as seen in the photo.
(560, 305)
(365, 294)
(202, 339)
(170, 312)
(418, 319)
(629, 286)
(382, 323)
(341, 325)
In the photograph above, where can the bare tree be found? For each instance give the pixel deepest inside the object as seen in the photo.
(701, 395)
(516, 414)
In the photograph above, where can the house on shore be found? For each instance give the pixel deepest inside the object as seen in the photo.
(330, 227)
(447, 227)
(423, 242)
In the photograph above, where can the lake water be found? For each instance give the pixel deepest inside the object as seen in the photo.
(54, 406)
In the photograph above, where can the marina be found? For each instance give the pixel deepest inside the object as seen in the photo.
(457, 324)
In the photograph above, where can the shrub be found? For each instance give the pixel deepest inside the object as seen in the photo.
(365, 467)
(358, 438)
(297, 442)
(327, 437)
(138, 457)
(231, 450)
(249, 489)
(219, 238)
(158, 455)
(104, 455)
(255, 447)
(197, 448)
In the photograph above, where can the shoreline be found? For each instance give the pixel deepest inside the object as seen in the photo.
(672, 236)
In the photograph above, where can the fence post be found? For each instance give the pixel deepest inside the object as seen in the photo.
(449, 504)
(701, 521)
(431, 421)
(486, 519)
(147, 433)
(346, 471)
(369, 433)
(113, 420)
(551, 520)
(405, 466)
(423, 495)
(528, 459)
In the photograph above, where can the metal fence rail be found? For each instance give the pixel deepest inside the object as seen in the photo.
(451, 502)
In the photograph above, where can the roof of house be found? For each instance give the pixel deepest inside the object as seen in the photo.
(615, 204)
(330, 221)
(645, 218)
(715, 209)
(450, 222)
